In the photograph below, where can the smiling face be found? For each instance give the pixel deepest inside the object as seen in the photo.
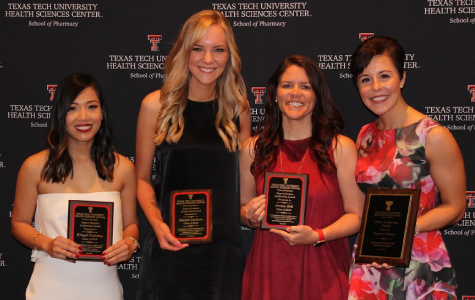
(295, 96)
(380, 85)
(84, 116)
(208, 57)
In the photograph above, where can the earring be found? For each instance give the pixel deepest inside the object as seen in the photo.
(275, 100)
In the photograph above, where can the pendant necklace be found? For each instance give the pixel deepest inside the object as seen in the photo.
(395, 125)
(301, 164)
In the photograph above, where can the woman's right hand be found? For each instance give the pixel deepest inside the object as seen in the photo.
(254, 211)
(63, 248)
(379, 266)
(165, 238)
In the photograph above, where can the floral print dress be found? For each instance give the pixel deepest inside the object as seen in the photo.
(396, 159)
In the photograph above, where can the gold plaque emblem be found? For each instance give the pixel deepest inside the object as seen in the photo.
(388, 205)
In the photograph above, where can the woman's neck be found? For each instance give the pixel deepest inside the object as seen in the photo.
(201, 93)
(80, 152)
(395, 118)
(296, 130)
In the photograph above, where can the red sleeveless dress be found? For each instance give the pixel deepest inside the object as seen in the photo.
(274, 269)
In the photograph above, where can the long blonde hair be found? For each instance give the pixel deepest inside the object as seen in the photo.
(230, 88)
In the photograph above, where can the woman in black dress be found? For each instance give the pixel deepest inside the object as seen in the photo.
(193, 128)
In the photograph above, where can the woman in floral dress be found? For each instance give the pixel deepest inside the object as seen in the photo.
(405, 149)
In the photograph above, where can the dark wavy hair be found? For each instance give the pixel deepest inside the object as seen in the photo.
(59, 165)
(326, 120)
(377, 45)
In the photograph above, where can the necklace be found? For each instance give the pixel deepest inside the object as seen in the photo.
(398, 120)
(301, 164)
(395, 125)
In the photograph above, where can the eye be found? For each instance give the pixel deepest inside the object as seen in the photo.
(306, 87)
(286, 85)
(219, 50)
(385, 76)
(197, 49)
(93, 106)
(364, 81)
(71, 108)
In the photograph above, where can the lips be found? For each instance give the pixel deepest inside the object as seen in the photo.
(379, 98)
(295, 104)
(83, 128)
(206, 70)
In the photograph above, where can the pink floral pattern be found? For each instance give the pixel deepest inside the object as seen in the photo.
(396, 159)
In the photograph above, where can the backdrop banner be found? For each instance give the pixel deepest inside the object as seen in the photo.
(124, 45)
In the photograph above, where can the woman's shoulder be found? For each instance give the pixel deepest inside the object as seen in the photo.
(37, 160)
(33, 165)
(343, 151)
(343, 145)
(152, 100)
(248, 145)
(123, 164)
(343, 142)
(250, 142)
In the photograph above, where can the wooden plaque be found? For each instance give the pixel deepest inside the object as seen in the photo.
(90, 225)
(286, 196)
(387, 227)
(191, 216)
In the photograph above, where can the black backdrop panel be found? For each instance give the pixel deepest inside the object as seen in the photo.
(124, 43)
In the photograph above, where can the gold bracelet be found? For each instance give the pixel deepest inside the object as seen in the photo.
(34, 240)
(136, 243)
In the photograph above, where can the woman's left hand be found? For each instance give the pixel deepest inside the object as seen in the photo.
(119, 252)
(297, 235)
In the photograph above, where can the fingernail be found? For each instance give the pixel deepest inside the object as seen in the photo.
(80, 247)
(178, 245)
(80, 252)
(103, 258)
(77, 256)
(104, 253)
(105, 263)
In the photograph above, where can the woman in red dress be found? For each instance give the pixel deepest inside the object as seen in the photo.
(301, 134)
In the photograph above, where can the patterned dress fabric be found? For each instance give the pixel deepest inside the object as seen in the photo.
(395, 159)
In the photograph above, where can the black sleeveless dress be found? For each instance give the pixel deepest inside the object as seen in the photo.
(198, 161)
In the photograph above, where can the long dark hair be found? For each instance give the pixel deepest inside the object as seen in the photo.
(59, 165)
(326, 120)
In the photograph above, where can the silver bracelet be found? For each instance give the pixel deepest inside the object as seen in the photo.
(136, 243)
(416, 230)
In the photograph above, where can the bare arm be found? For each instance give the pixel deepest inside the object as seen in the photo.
(24, 208)
(145, 151)
(352, 197)
(124, 249)
(252, 207)
(245, 124)
(448, 172)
